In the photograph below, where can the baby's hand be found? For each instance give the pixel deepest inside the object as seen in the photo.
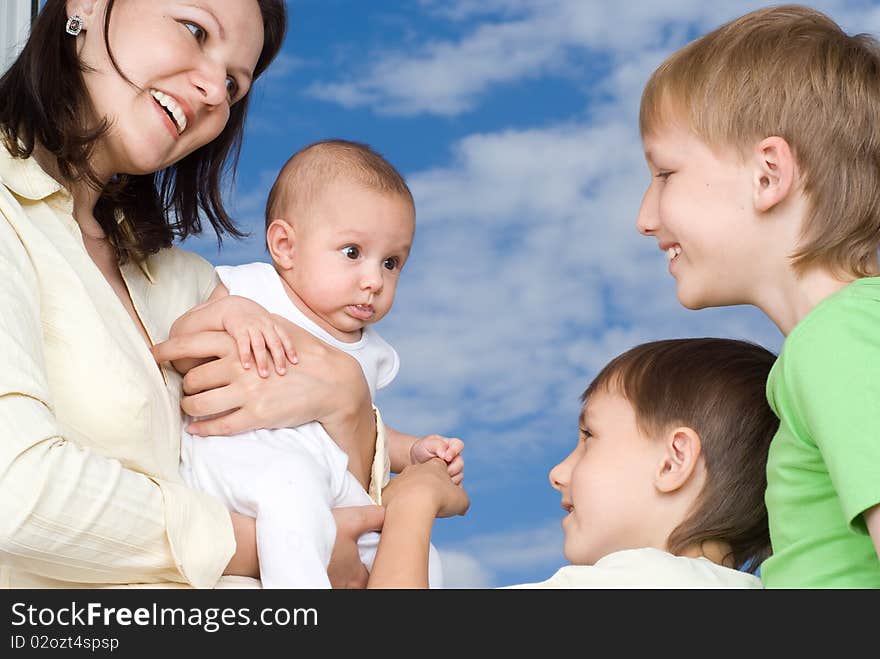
(255, 332)
(447, 449)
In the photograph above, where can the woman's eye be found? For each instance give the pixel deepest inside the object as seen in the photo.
(231, 87)
(196, 30)
(351, 251)
(391, 262)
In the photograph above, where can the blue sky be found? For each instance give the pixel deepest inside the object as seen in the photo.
(515, 124)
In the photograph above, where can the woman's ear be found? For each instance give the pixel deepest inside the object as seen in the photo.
(678, 462)
(281, 242)
(773, 173)
(82, 8)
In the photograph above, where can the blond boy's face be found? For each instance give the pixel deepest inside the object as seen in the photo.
(348, 256)
(699, 205)
(607, 483)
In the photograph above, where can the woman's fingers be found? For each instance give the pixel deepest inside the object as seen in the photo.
(199, 345)
(222, 425)
(210, 402)
(210, 375)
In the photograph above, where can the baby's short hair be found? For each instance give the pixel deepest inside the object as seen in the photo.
(790, 71)
(717, 388)
(308, 171)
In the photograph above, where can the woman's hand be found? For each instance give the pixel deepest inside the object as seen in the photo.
(345, 569)
(326, 386)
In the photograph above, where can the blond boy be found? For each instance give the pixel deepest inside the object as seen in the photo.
(763, 142)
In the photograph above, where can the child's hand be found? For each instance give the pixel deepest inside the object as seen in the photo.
(256, 335)
(447, 449)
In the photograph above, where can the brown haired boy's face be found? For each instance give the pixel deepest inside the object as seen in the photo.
(606, 483)
(699, 205)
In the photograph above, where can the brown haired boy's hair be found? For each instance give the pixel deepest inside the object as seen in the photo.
(717, 388)
(308, 171)
(790, 71)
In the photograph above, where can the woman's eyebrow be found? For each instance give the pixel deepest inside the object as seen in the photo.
(210, 12)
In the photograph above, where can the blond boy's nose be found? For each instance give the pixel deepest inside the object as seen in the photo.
(646, 222)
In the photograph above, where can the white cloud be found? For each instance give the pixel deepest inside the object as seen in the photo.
(528, 275)
(513, 40)
(460, 570)
(478, 561)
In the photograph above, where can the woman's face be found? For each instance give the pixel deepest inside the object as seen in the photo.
(189, 60)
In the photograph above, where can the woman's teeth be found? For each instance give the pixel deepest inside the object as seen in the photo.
(173, 109)
(672, 252)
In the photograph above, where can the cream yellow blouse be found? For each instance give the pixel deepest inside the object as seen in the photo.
(89, 425)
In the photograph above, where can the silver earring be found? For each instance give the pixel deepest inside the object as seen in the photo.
(74, 25)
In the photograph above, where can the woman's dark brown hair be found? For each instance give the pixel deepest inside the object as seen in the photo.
(716, 387)
(44, 101)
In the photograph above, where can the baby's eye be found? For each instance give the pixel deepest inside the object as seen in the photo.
(391, 262)
(351, 251)
(196, 30)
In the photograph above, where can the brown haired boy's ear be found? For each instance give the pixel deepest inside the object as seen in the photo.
(281, 241)
(774, 172)
(678, 463)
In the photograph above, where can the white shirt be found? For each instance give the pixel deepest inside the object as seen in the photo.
(379, 361)
(647, 568)
(90, 491)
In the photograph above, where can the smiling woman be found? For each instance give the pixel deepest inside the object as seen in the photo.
(118, 120)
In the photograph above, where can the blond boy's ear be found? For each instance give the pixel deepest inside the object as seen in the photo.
(774, 172)
(679, 460)
(281, 241)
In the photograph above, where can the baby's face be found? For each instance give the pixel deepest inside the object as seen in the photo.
(349, 254)
(606, 482)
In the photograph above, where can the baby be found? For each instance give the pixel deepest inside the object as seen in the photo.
(340, 223)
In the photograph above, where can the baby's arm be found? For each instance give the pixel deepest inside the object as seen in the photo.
(405, 449)
(252, 327)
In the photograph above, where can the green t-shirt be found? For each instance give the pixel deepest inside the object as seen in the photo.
(823, 470)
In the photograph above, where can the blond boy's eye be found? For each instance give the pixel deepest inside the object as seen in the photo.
(351, 251)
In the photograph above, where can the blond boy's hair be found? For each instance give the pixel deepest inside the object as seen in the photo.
(790, 71)
(308, 172)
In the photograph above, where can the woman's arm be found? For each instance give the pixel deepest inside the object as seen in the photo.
(413, 499)
(69, 512)
(326, 386)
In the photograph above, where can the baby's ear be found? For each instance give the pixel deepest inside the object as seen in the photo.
(281, 242)
(679, 459)
(774, 170)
